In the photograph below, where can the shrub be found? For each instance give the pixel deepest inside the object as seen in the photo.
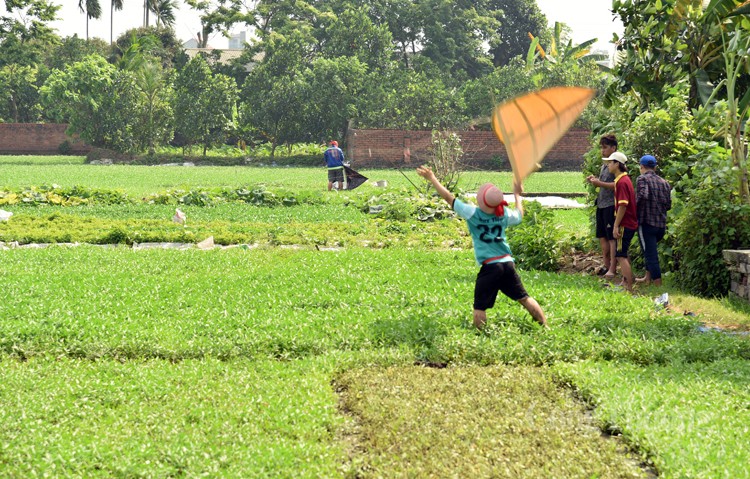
(536, 242)
(65, 148)
(710, 217)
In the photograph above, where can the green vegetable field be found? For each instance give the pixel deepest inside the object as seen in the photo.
(322, 340)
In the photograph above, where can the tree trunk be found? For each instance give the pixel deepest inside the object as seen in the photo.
(14, 108)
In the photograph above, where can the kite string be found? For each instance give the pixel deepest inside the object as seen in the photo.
(409, 180)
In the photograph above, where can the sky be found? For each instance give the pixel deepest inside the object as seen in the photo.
(588, 19)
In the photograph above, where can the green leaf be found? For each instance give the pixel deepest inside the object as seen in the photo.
(704, 86)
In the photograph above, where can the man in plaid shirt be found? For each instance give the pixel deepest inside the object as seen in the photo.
(653, 200)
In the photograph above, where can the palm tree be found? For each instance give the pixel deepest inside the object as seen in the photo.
(146, 10)
(92, 9)
(114, 5)
(164, 10)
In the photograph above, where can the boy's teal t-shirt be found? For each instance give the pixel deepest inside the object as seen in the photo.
(488, 232)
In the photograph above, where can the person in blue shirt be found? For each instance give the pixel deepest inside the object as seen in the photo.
(334, 158)
(487, 225)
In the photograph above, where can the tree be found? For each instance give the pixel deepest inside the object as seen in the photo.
(92, 9)
(737, 62)
(705, 43)
(154, 117)
(454, 36)
(334, 87)
(561, 48)
(24, 31)
(275, 92)
(564, 63)
(74, 49)
(97, 100)
(204, 104)
(481, 95)
(166, 47)
(353, 34)
(404, 21)
(665, 41)
(113, 5)
(20, 94)
(154, 114)
(518, 19)
(399, 98)
(164, 10)
(27, 20)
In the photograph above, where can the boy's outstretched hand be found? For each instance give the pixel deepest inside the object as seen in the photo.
(425, 172)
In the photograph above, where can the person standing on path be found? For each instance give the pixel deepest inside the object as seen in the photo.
(654, 200)
(605, 207)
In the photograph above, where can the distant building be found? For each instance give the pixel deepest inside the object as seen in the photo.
(192, 43)
(237, 41)
(225, 56)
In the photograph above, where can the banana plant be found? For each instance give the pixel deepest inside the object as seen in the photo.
(561, 52)
(737, 63)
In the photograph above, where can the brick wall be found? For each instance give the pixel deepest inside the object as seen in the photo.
(36, 139)
(392, 148)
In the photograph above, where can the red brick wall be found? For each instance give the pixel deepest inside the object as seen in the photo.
(36, 139)
(392, 148)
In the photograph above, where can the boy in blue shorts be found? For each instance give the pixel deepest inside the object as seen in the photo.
(487, 224)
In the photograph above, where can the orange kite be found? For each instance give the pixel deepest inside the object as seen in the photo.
(531, 124)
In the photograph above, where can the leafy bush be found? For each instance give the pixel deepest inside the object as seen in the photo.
(708, 213)
(57, 195)
(65, 148)
(445, 158)
(401, 206)
(714, 219)
(256, 195)
(536, 242)
(663, 132)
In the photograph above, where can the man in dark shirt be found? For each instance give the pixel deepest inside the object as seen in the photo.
(334, 158)
(605, 207)
(653, 200)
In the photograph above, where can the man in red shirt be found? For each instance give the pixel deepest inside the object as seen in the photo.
(626, 215)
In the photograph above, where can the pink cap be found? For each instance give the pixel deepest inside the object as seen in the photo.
(489, 197)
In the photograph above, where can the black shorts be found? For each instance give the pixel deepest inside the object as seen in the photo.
(605, 220)
(496, 277)
(623, 242)
(336, 174)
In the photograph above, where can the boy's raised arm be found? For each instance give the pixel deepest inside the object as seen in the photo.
(428, 175)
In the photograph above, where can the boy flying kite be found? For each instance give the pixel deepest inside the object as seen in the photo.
(487, 224)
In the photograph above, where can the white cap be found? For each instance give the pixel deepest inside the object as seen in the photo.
(617, 156)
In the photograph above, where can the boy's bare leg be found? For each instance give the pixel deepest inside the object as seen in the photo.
(612, 259)
(604, 243)
(480, 318)
(627, 273)
(534, 309)
(645, 279)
